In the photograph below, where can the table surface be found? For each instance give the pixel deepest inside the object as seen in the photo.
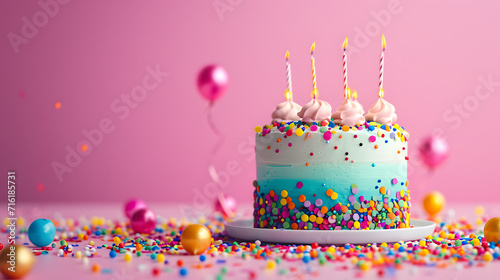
(53, 267)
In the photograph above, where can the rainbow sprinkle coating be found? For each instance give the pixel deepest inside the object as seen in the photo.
(368, 214)
(324, 176)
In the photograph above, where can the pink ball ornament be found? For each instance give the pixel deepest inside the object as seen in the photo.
(433, 151)
(212, 82)
(226, 205)
(133, 205)
(143, 221)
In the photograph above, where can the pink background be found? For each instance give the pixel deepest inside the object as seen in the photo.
(90, 53)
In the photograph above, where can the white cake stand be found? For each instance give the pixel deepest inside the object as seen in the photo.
(244, 230)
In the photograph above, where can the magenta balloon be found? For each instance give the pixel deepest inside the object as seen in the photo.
(133, 205)
(212, 82)
(433, 151)
(143, 221)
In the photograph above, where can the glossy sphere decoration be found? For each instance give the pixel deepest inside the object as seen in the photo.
(434, 203)
(196, 239)
(212, 82)
(41, 232)
(133, 205)
(226, 206)
(24, 260)
(433, 151)
(143, 221)
(492, 230)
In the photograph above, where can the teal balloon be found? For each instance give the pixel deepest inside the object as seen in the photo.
(41, 232)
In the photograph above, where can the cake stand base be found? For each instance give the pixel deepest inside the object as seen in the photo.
(244, 230)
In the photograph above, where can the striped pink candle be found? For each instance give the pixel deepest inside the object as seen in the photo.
(344, 63)
(381, 69)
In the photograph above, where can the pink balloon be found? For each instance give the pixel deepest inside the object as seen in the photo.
(212, 82)
(133, 205)
(433, 151)
(143, 221)
(228, 207)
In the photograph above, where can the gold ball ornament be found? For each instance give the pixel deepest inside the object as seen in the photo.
(434, 203)
(492, 230)
(19, 263)
(196, 239)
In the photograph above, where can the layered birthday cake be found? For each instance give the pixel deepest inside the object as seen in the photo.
(319, 170)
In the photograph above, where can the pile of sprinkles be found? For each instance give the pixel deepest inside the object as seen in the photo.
(458, 244)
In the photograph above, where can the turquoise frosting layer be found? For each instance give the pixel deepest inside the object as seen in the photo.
(314, 181)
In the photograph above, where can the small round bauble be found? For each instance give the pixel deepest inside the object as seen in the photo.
(21, 257)
(143, 221)
(41, 232)
(196, 239)
(133, 205)
(434, 203)
(492, 230)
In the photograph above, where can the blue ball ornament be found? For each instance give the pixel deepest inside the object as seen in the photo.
(41, 232)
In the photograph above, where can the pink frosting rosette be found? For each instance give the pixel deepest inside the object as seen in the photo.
(358, 106)
(382, 112)
(286, 112)
(315, 111)
(350, 113)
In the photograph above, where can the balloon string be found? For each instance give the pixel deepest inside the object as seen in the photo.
(211, 121)
(216, 148)
(211, 168)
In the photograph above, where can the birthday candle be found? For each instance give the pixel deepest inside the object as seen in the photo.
(344, 63)
(314, 93)
(288, 93)
(381, 73)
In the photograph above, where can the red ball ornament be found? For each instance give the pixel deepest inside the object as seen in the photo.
(156, 271)
(212, 82)
(433, 151)
(143, 221)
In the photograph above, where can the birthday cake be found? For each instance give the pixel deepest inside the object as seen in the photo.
(322, 171)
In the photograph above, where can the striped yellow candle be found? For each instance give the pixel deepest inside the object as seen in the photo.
(314, 93)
